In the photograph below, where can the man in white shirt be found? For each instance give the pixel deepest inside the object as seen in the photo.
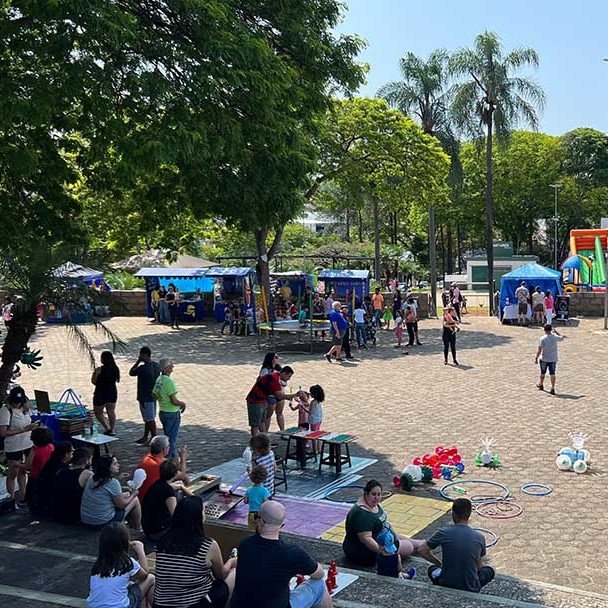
(522, 293)
(547, 351)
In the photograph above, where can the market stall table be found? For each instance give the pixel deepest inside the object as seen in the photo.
(96, 441)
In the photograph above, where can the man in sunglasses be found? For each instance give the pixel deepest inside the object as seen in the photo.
(267, 564)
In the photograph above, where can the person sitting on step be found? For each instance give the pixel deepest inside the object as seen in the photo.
(462, 548)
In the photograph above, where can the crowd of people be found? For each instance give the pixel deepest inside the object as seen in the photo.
(67, 485)
(540, 302)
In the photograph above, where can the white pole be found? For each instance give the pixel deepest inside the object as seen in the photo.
(555, 189)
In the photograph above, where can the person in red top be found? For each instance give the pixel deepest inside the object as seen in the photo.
(42, 438)
(150, 463)
(257, 399)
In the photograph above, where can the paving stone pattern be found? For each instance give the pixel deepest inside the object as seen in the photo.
(400, 407)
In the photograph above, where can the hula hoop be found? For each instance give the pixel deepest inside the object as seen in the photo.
(544, 489)
(385, 494)
(499, 509)
(480, 500)
(494, 536)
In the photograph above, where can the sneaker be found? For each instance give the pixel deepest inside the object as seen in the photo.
(109, 433)
(445, 362)
(327, 358)
(339, 359)
(419, 343)
(552, 391)
(540, 387)
(350, 357)
(142, 441)
(455, 362)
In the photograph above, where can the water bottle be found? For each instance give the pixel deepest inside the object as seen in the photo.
(95, 428)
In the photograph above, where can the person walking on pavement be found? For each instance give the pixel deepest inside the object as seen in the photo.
(338, 326)
(546, 352)
(450, 328)
(346, 334)
(411, 322)
(146, 371)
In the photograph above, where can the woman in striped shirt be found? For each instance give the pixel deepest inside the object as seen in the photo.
(190, 571)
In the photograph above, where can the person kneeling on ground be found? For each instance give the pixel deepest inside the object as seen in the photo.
(160, 501)
(68, 487)
(116, 578)
(267, 564)
(103, 500)
(462, 550)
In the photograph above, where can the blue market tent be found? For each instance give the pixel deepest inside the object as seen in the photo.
(344, 282)
(236, 283)
(534, 275)
(187, 281)
(296, 280)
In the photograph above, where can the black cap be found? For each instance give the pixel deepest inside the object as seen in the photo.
(17, 395)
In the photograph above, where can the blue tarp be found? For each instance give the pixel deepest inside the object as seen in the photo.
(219, 272)
(534, 275)
(331, 273)
(344, 282)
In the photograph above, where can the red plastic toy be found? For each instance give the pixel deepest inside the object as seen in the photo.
(439, 458)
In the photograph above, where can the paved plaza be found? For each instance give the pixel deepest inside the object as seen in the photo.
(400, 407)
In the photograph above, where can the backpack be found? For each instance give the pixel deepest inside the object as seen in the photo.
(10, 420)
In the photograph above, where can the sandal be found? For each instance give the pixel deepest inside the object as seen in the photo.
(540, 387)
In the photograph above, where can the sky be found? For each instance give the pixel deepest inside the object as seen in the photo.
(568, 35)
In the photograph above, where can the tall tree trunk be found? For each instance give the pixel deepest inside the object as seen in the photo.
(490, 214)
(394, 231)
(376, 239)
(348, 226)
(530, 238)
(459, 248)
(433, 254)
(442, 245)
(264, 255)
(449, 253)
(19, 331)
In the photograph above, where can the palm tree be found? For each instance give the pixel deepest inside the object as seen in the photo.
(30, 280)
(423, 95)
(491, 100)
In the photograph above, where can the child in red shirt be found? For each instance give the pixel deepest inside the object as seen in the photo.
(42, 438)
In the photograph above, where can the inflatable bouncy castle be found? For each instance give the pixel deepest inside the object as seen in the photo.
(586, 265)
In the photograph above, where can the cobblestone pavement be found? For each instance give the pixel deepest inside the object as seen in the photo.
(400, 407)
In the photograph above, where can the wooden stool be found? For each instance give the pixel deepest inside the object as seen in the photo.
(335, 458)
(299, 452)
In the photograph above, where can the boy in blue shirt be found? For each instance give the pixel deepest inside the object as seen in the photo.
(256, 494)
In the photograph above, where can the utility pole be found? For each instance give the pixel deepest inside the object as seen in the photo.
(555, 187)
(433, 256)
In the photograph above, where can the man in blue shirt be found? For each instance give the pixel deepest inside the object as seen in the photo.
(462, 553)
(338, 326)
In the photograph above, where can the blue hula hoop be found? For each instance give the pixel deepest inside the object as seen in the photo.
(545, 490)
(504, 489)
(494, 536)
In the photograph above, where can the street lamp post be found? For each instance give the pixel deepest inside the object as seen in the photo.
(555, 187)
